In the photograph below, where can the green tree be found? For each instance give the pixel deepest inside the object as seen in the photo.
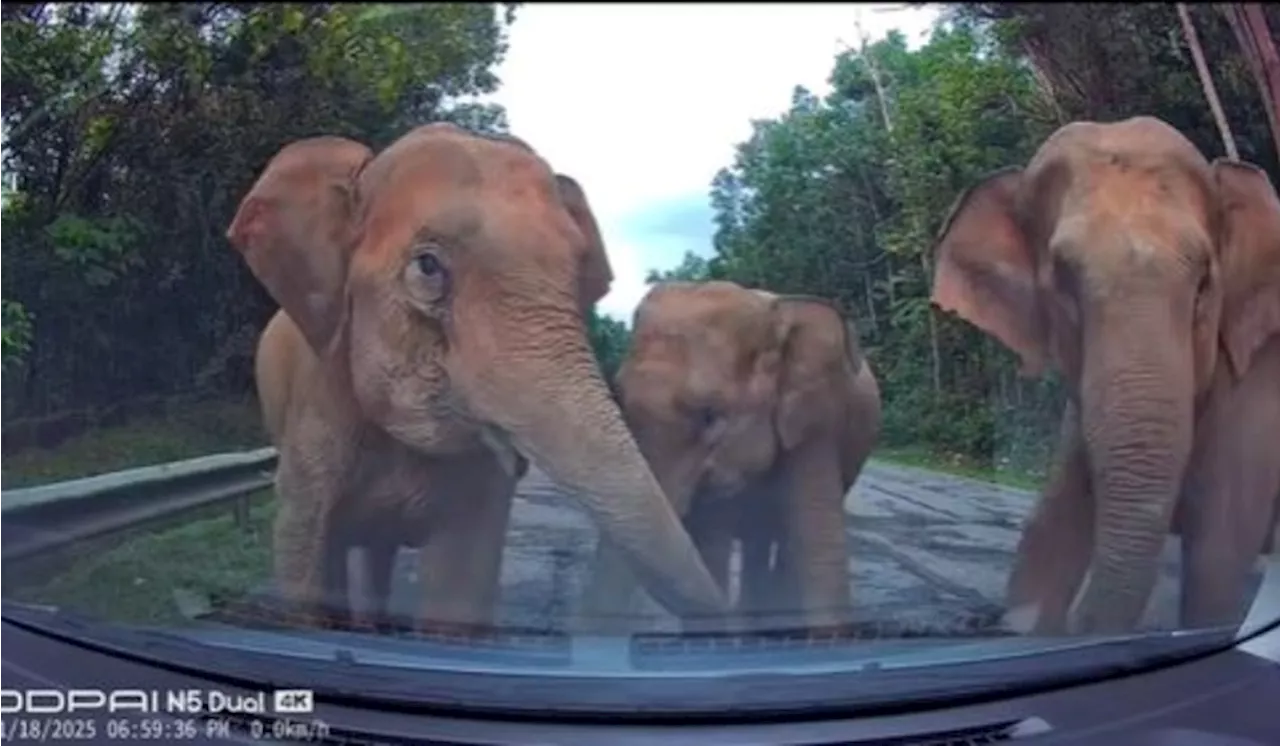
(609, 339)
(134, 130)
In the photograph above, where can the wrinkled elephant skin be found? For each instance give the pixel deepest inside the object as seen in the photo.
(756, 412)
(431, 338)
(1150, 279)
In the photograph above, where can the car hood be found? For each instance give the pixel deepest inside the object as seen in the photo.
(630, 657)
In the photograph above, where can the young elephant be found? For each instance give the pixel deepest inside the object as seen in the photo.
(431, 336)
(756, 413)
(1150, 278)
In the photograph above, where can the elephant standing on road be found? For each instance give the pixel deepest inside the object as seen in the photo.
(431, 337)
(1150, 278)
(756, 413)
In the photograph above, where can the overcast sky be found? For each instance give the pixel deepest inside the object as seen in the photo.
(642, 104)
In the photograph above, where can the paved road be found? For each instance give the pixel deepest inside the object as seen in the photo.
(927, 550)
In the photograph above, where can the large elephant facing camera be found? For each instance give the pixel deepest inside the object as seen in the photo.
(756, 412)
(431, 337)
(1150, 278)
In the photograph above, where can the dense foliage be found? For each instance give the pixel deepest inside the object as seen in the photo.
(132, 131)
(843, 196)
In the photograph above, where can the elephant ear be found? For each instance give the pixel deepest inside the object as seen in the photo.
(1249, 255)
(595, 275)
(816, 351)
(985, 270)
(296, 229)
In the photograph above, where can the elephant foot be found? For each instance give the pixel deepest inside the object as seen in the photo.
(1021, 619)
(1029, 619)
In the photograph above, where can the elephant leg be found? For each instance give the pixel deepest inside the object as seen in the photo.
(754, 586)
(337, 609)
(461, 562)
(359, 592)
(815, 541)
(382, 563)
(301, 547)
(1228, 502)
(370, 582)
(712, 533)
(1056, 545)
(761, 596)
(784, 582)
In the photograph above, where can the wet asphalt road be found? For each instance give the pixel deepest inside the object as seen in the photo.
(927, 550)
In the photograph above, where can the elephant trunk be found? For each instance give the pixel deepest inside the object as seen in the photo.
(549, 398)
(1136, 407)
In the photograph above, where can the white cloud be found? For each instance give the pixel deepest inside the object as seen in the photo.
(642, 103)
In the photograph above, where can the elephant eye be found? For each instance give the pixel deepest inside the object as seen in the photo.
(429, 265)
(705, 417)
(427, 277)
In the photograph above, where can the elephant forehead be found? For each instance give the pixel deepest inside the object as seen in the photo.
(474, 217)
(1139, 177)
(442, 166)
(665, 371)
(722, 319)
(1147, 232)
(695, 351)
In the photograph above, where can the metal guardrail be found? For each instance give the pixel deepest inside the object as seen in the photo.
(38, 519)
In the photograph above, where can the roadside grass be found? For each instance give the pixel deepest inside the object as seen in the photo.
(961, 466)
(189, 432)
(167, 576)
(154, 576)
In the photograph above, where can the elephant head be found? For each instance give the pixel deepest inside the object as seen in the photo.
(1124, 259)
(720, 380)
(443, 283)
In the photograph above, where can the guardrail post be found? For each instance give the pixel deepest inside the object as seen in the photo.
(240, 512)
(561, 561)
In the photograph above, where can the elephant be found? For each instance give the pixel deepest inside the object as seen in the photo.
(430, 340)
(1148, 277)
(756, 412)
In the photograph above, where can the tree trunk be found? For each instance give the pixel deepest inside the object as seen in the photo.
(871, 303)
(1206, 82)
(1249, 24)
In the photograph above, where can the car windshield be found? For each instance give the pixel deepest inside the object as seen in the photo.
(616, 344)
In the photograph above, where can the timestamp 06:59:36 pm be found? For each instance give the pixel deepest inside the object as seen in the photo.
(154, 729)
